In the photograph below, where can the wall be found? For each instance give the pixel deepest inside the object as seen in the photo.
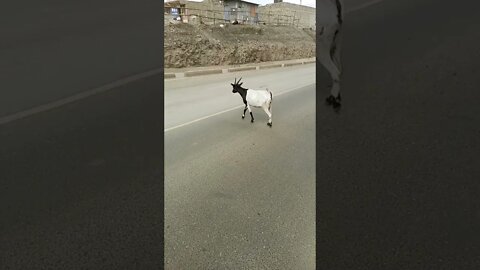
(188, 45)
(304, 16)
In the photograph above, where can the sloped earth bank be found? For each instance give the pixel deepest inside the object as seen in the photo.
(188, 45)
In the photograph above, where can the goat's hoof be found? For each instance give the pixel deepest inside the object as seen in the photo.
(251, 121)
(329, 100)
(269, 124)
(243, 117)
(335, 102)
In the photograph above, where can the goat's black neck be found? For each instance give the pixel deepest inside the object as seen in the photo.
(243, 92)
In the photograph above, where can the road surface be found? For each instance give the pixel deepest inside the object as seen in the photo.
(398, 169)
(240, 195)
(188, 99)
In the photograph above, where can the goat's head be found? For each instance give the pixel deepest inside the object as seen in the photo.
(236, 85)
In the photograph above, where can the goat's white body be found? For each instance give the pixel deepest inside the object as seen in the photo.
(258, 98)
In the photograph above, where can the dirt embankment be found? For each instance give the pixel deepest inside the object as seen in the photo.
(188, 45)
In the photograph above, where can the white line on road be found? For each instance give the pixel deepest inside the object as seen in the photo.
(227, 110)
(77, 97)
(362, 6)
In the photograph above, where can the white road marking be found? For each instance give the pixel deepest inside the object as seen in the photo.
(362, 6)
(77, 97)
(228, 110)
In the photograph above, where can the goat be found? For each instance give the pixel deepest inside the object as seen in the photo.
(328, 45)
(254, 98)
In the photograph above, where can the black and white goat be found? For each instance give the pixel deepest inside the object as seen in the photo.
(254, 98)
(328, 44)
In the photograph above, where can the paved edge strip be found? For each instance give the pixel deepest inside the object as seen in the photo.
(293, 64)
(270, 66)
(228, 110)
(234, 69)
(241, 68)
(202, 72)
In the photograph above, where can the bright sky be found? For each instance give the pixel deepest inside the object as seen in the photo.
(310, 3)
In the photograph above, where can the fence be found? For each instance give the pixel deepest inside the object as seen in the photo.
(205, 16)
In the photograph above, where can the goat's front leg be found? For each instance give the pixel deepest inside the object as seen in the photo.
(251, 114)
(330, 58)
(244, 110)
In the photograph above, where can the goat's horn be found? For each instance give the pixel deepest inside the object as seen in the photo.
(239, 80)
(235, 82)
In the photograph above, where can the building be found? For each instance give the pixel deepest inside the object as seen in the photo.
(186, 11)
(242, 11)
(174, 10)
(211, 11)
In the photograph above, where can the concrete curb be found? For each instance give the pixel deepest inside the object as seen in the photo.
(202, 72)
(292, 64)
(309, 62)
(271, 66)
(233, 69)
(241, 69)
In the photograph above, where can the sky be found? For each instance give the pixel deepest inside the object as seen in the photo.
(310, 3)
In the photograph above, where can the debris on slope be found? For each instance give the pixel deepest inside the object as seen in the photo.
(187, 45)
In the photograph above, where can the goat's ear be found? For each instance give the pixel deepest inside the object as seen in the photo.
(240, 84)
(232, 84)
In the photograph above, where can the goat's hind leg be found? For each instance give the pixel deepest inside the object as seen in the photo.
(267, 111)
(251, 114)
(334, 99)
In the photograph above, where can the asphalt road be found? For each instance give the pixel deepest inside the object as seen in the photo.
(240, 195)
(398, 169)
(189, 99)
